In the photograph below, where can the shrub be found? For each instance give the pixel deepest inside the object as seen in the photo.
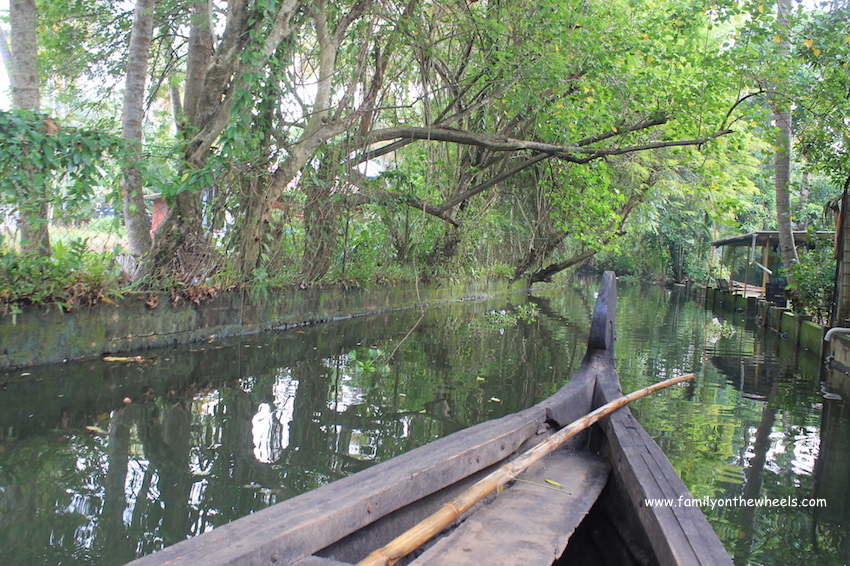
(814, 292)
(70, 277)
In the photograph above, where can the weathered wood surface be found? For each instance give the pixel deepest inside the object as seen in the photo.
(570, 403)
(317, 561)
(680, 535)
(298, 527)
(529, 523)
(604, 315)
(354, 547)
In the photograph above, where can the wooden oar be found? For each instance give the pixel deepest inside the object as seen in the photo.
(451, 512)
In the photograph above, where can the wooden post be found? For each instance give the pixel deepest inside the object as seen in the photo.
(841, 315)
(765, 258)
(732, 250)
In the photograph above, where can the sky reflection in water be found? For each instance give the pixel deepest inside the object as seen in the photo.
(216, 431)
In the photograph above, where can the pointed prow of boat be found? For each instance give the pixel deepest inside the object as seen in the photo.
(607, 495)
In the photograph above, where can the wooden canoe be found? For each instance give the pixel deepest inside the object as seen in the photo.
(584, 504)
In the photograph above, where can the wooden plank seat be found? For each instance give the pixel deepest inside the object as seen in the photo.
(529, 523)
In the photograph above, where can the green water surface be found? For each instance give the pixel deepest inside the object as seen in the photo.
(102, 462)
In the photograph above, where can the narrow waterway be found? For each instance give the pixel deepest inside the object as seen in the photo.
(105, 461)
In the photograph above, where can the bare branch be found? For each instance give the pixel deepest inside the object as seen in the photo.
(657, 121)
(740, 101)
(573, 154)
(377, 194)
(459, 198)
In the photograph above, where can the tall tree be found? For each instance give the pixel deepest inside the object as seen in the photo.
(781, 104)
(321, 210)
(493, 90)
(33, 209)
(823, 137)
(25, 89)
(529, 88)
(215, 81)
(135, 214)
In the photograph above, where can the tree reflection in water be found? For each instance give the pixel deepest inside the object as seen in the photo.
(216, 431)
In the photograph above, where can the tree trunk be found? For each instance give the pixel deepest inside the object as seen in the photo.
(25, 90)
(253, 224)
(135, 214)
(605, 236)
(782, 172)
(546, 274)
(321, 214)
(197, 62)
(805, 191)
(184, 221)
(841, 316)
(212, 76)
(34, 208)
(447, 247)
(787, 246)
(539, 249)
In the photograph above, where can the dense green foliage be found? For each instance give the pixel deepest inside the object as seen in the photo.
(376, 142)
(35, 152)
(814, 293)
(70, 277)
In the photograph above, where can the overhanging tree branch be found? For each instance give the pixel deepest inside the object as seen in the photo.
(546, 274)
(405, 135)
(493, 142)
(646, 124)
(459, 198)
(383, 195)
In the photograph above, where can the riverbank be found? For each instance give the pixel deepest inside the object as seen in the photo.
(804, 338)
(47, 334)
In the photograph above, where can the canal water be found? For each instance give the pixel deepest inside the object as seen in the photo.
(104, 461)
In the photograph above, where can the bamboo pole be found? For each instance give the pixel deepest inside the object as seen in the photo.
(450, 512)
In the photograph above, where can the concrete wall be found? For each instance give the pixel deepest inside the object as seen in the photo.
(805, 335)
(47, 334)
(838, 352)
